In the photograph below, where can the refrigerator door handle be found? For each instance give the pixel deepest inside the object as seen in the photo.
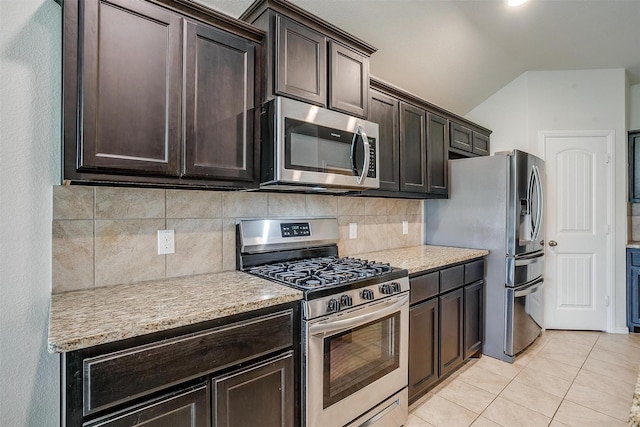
(539, 204)
(532, 288)
(534, 256)
(528, 260)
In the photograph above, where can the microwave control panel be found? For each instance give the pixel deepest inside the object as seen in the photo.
(371, 173)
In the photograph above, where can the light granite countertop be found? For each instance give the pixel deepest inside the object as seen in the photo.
(86, 318)
(81, 319)
(634, 416)
(421, 258)
(633, 245)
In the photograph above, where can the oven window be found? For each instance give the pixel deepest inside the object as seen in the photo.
(359, 356)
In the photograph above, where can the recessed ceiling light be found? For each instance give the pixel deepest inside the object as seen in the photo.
(515, 3)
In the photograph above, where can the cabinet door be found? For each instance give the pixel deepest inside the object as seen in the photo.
(256, 396)
(423, 346)
(480, 144)
(219, 105)
(131, 87)
(383, 110)
(633, 289)
(348, 80)
(413, 156)
(437, 154)
(473, 318)
(184, 409)
(461, 137)
(451, 312)
(634, 167)
(301, 62)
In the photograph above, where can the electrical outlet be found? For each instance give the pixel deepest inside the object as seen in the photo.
(166, 242)
(405, 227)
(353, 230)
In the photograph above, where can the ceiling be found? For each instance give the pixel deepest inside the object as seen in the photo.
(457, 53)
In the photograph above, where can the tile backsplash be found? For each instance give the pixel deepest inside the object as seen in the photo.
(108, 236)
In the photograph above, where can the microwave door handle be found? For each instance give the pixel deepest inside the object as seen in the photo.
(365, 167)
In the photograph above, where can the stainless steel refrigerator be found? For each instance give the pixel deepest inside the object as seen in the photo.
(496, 203)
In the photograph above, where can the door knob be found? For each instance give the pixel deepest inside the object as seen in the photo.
(553, 243)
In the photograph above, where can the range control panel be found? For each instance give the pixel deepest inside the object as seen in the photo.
(350, 298)
(295, 229)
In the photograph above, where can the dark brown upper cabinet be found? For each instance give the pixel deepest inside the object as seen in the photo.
(461, 137)
(130, 89)
(437, 154)
(414, 142)
(349, 80)
(310, 59)
(466, 142)
(383, 109)
(413, 159)
(301, 62)
(480, 144)
(159, 93)
(219, 105)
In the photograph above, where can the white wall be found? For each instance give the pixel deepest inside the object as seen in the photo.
(30, 60)
(634, 107)
(567, 100)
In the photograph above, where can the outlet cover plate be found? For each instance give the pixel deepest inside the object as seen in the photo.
(166, 242)
(353, 230)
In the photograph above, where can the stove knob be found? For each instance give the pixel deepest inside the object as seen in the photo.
(395, 286)
(333, 305)
(386, 289)
(346, 301)
(367, 294)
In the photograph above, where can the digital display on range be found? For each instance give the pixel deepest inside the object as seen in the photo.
(295, 229)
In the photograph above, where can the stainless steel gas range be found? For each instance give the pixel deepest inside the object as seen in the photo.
(355, 321)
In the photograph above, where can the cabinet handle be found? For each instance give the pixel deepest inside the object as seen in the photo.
(553, 243)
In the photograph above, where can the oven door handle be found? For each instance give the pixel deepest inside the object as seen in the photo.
(330, 326)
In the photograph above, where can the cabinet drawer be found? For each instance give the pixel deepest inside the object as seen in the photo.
(424, 287)
(124, 375)
(473, 271)
(451, 278)
(634, 257)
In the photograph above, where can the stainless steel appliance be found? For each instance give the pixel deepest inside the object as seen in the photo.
(306, 146)
(355, 321)
(496, 203)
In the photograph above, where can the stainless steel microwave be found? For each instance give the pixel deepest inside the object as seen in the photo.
(306, 147)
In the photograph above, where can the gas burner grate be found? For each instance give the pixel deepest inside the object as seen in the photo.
(320, 272)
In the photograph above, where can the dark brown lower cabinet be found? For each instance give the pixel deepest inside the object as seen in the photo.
(257, 396)
(189, 408)
(451, 328)
(445, 322)
(423, 346)
(236, 372)
(473, 318)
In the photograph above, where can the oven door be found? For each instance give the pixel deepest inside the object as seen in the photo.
(355, 360)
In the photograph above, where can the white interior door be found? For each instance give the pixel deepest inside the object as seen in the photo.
(577, 250)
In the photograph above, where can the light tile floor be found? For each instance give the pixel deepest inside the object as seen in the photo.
(565, 378)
